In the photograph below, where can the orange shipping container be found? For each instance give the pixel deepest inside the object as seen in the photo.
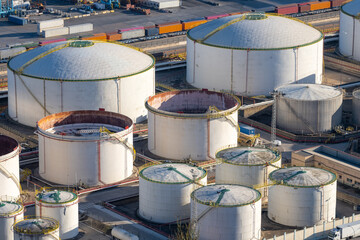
(319, 5)
(170, 28)
(113, 36)
(97, 36)
(190, 25)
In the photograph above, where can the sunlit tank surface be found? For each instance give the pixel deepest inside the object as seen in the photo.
(10, 212)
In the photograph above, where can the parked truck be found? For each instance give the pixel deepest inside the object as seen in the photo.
(345, 231)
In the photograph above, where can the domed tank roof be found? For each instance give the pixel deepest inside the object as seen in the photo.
(247, 156)
(352, 8)
(81, 61)
(308, 92)
(255, 31)
(7, 209)
(172, 173)
(35, 225)
(302, 176)
(226, 195)
(56, 197)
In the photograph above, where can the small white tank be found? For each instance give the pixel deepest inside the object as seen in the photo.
(226, 211)
(35, 228)
(249, 166)
(165, 191)
(61, 206)
(10, 212)
(302, 196)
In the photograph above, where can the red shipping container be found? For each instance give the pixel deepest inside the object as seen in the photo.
(287, 9)
(304, 7)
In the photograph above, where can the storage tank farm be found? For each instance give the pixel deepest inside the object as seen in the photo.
(61, 206)
(249, 166)
(36, 228)
(302, 196)
(349, 35)
(253, 53)
(102, 141)
(10, 212)
(225, 211)
(308, 108)
(79, 75)
(164, 192)
(9, 168)
(356, 107)
(191, 124)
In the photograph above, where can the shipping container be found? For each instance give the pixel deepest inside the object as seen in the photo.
(151, 31)
(114, 36)
(169, 28)
(49, 24)
(304, 7)
(86, 27)
(319, 5)
(133, 34)
(247, 129)
(193, 19)
(45, 42)
(167, 23)
(55, 32)
(7, 53)
(336, 3)
(97, 36)
(17, 20)
(287, 9)
(190, 25)
(129, 29)
(216, 16)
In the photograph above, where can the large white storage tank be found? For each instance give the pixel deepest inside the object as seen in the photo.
(253, 53)
(9, 168)
(35, 228)
(302, 196)
(61, 206)
(79, 75)
(85, 147)
(249, 166)
(308, 108)
(191, 123)
(349, 41)
(224, 211)
(356, 107)
(165, 191)
(10, 212)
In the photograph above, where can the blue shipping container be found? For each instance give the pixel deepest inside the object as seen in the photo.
(247, 130)
(17, 20)
(151, 32)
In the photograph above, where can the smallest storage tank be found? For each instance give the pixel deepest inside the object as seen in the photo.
(35, 228)
(249, 166)
(165, 191)
(61, 206)
(224, 211)
(308, 108)
(302, 196)
(10, 212)
(356, 107)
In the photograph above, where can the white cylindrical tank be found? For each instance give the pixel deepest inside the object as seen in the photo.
(165, 190)
(191, 123)
(79, 75)
(302, 196)
(253, 53)
(35, 228)
(356, 107)
(308, 108)
(61, 206)
(224, 211)
(349, 36)
(249, 166)
(85, 147)
(9, 168)
(10, 212)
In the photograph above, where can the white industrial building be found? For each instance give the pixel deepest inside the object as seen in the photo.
(35, 228)
(79, 75)
(356, 107)
(85, 147)
(164, 191)
(302, 196)
(191, 124)
(61, 206)
(349, 36)
(253, 53)
(249, 166)
(10, 212)
(9, 168)
(225, 211)
(308, 108)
